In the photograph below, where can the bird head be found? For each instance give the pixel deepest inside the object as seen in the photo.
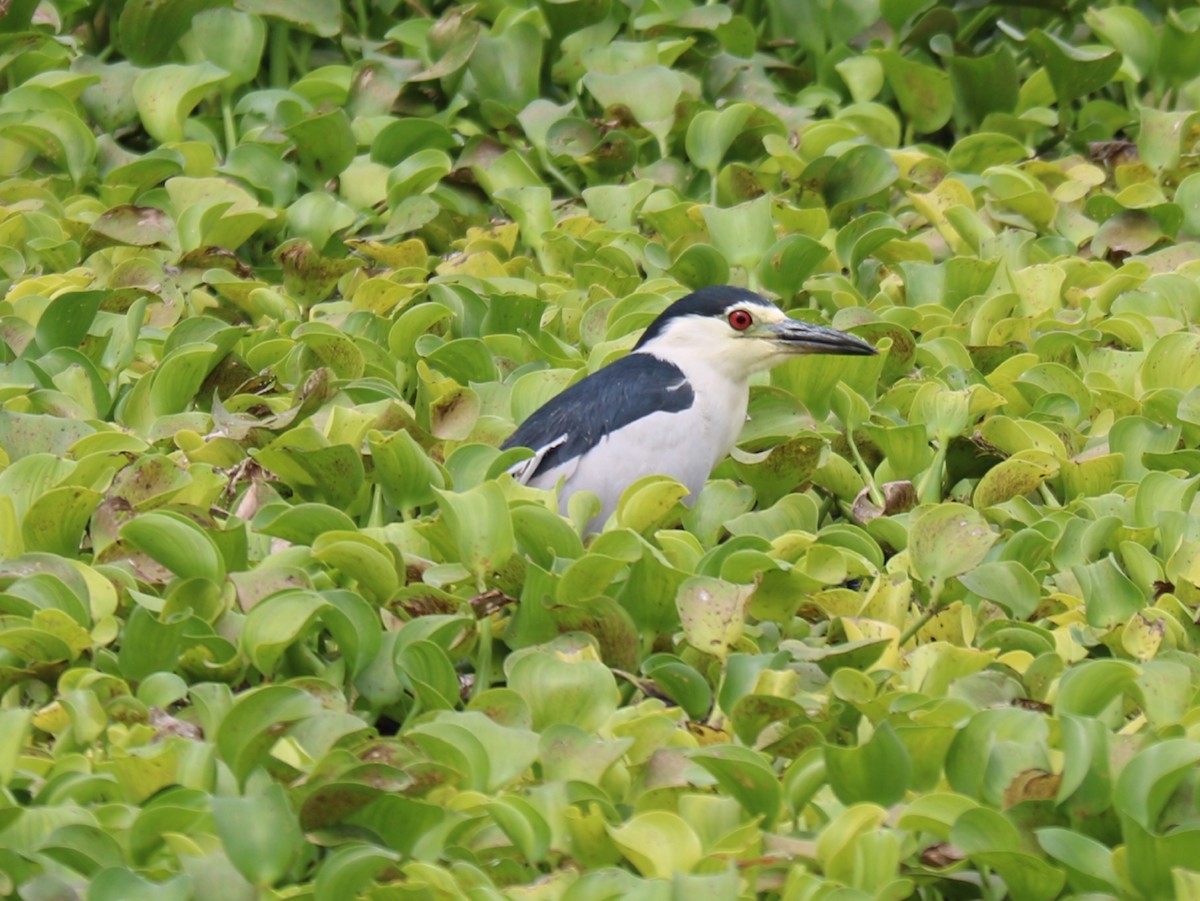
(740, 332)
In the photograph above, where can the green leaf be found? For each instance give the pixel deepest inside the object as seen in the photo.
(148, 30)
(1073, 71)
(658, 843)
(232, 40)
(177, 543)
(858, 174)
(713, 614)
(255, 722)
(924, 93)
(165, 96)
(993, 841)
(572, 688)
(260, 834)
(319, 17)
(1146, 782)
(1008, 584)
(743, 234)
(324, 144)
(747, 776)
(879, 771)
(711, 133)
(649, 92)
(948, 540)
(67, 319)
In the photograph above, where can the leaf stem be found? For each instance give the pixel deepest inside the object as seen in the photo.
(558, 175)
(1048, 497)
(230, 125)
(863, 470)
(483, 667)
(278, 55)
(932, 609)
(934, 471)
(920, 624)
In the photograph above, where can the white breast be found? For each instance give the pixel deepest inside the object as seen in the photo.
(684, 445)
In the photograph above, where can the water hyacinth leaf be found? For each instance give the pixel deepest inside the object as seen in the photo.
(788, 263)
(67, 319)
(858, 174)
(360, 558)
(1087, 690)
(878, 771)
(1130, 231)
(317, 216)
(303, 523)
(837, 846)
(18, 16)
(947, 541)
(1088, 862)
(150, 645)
(16, 724)
(481, 527)
(658, 843)
(989, 838)
(408, 477)
(403, 138)
(178, 378)
(573, 688)
(682, 683)
(260, 834)
(131, 226)
(255, 721)
(978, 152)
(711, 133)
(308, 276)
(743, 234)
(1109, 595)
(277, 622)
(331, 474)
(1073, 71)
(319, 17)
(118, 883)
(350, 869)
(56, 521)
(713, 613)
(525, 827)
(506, 66)
(324, 143)
(700, 265)
(177, 543)
(427, 668)
(1014, 477)
(416, 174)
(1007, 583)
(232, 40)
(649, 503)
(148, 31)
(650, 93)
(747, 775)
(167, 95)
(923, 92)
(1146, 783)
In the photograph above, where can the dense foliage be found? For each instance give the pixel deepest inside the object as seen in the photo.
(279, 275)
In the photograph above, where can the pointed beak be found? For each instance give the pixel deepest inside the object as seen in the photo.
(798, 337)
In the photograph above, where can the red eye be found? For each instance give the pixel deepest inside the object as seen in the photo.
(741, 320)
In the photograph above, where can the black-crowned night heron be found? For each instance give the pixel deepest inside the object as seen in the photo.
(673, 406)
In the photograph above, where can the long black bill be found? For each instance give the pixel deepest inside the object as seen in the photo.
(804, 338)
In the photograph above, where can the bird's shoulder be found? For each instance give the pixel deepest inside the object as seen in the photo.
(573, 422)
